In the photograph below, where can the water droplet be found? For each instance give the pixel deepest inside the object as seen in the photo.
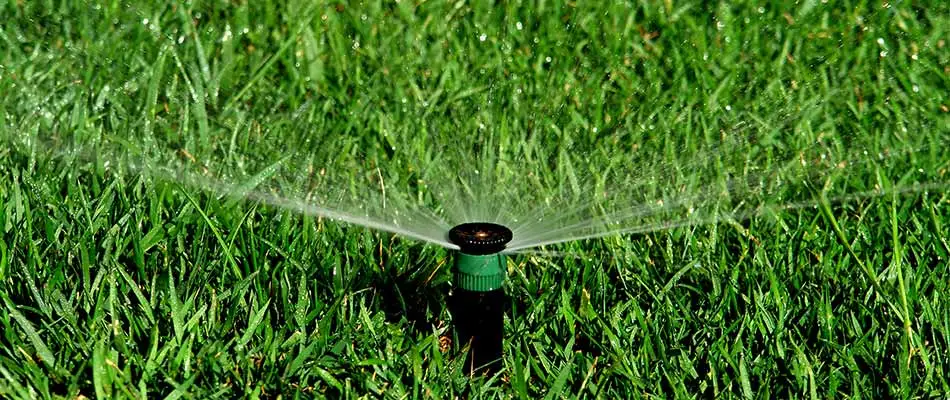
(761, 10)
(519, 26)
(363, 17)
(145, 21)
(547, 59)
(916, 88)
(880, 41)
(728, 108)
(181, 39)
(595, 129)
(483, 37)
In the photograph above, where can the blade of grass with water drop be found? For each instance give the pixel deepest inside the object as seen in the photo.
(181, 390)
(563, 375)
(843, 239)
(224, 246)
(291, 39)
(144, 304)
(259, 178)
(46, 356)
(178, 314)
(15, 386)
(255, 320)
(100, 374)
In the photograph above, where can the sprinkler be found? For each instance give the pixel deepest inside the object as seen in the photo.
(478, 300)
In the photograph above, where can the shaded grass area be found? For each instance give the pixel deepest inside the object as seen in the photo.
(119, 284)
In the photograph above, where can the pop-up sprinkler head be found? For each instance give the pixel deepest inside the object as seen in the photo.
(479, 267)
(479, 302)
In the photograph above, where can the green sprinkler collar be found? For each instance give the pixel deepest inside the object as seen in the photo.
(480, 267)
(480, 273)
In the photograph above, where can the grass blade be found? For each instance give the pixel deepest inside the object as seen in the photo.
(252, 325)
(46, 356)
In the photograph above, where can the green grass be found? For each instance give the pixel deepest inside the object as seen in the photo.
(115, 283)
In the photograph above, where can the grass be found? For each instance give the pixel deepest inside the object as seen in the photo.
(115, 283)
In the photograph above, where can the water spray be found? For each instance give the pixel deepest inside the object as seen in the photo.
(478, 301)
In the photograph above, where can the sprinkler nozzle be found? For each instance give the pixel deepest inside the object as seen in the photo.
(480, 238)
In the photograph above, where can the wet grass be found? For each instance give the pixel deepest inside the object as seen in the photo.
(120, 284)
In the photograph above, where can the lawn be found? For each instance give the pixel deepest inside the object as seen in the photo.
(733, 200)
